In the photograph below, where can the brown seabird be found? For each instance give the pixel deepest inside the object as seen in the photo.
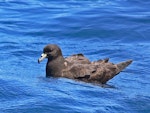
(79, 67)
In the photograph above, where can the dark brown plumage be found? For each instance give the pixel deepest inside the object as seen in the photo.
(79, 67)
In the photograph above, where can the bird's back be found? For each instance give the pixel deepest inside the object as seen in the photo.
(77, 59)
(99, 71)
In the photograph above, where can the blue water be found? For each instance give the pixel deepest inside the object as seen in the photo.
(118, 29)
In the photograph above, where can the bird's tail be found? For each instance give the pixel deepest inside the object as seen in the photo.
(123, 65)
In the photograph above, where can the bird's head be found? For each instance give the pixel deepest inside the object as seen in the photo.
(51, 51)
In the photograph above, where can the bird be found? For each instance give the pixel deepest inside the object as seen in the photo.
(78, 67)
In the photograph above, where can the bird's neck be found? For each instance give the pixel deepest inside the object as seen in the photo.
(54, 67)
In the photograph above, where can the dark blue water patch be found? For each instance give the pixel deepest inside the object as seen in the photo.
(11, 91)
(83, 31)
(140, 107)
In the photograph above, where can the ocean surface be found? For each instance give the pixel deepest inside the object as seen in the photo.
(115, 29)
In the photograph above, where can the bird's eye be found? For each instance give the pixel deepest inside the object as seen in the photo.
(50, 50)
